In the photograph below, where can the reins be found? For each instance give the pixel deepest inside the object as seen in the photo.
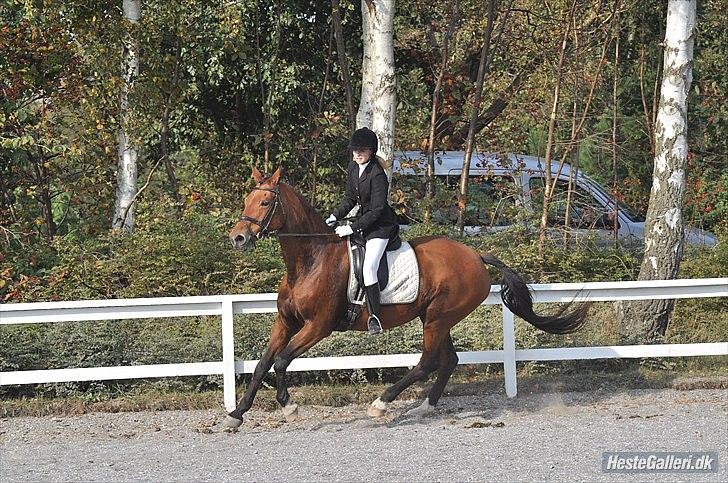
(313, 234)
(265, 222)
(304, 234)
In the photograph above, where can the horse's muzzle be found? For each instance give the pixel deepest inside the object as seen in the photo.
(243, 241)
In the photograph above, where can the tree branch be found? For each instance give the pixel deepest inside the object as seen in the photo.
(139, 191)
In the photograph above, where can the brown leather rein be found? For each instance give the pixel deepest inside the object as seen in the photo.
(265, 222)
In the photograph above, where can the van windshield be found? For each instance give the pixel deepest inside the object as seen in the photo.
(628, 211)
(576, 207)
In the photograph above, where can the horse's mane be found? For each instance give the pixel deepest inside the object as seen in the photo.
(309, 211)
(308, 220)
(308, 207)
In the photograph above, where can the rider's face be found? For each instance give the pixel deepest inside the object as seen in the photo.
(361, 156)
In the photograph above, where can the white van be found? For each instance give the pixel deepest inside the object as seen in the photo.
(505, 189)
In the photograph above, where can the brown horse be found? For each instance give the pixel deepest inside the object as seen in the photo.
(312, 295)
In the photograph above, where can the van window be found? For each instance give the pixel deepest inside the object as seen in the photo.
(492, 200)
(584, 210)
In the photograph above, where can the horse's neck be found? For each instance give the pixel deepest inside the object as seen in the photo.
(301, 218)
(303, 253)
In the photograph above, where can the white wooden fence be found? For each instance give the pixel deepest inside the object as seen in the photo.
(228, 305)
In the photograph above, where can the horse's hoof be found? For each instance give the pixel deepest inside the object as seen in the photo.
(377, 409)
(422, 410)
(290, 411)
(373, 412)
(232, 423)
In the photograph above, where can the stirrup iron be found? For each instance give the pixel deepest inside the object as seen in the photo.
(374, 325)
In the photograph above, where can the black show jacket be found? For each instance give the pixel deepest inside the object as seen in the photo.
(377, 219)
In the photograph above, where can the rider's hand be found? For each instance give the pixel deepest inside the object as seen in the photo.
(331, 220)
(344, 230)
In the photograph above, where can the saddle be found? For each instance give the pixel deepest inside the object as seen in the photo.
(358, 250)
(398, 276)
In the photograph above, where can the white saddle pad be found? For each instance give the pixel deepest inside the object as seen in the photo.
(404, 277)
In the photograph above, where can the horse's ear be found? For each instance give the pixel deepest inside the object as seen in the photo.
(276, 177)
(257, 175)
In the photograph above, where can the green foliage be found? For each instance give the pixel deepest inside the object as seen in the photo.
(702, 263)
(168, 255)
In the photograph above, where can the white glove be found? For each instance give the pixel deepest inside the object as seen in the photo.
(344, 230)
(331, 220)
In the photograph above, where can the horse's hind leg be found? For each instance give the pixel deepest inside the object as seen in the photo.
(433, 338)
(448, 363)
(280, 336)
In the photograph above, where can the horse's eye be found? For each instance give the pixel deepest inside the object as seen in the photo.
(264, 203)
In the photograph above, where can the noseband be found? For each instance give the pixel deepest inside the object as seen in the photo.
(265, 222)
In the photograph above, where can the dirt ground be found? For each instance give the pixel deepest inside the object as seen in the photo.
(544, 436)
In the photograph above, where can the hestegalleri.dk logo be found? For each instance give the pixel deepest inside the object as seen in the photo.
(660, 462)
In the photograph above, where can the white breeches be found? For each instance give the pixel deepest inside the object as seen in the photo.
(374, 251)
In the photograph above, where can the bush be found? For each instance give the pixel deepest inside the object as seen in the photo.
(190, 255)
(166, 256)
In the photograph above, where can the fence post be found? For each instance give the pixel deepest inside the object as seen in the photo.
(509, 352)
(228, 355)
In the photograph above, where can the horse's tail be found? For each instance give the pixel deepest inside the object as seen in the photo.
(517, 297)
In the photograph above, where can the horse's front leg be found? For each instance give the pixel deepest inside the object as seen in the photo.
(281, 334)
(311, 334)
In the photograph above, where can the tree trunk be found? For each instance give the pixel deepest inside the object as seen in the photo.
(615, 105)
(316, 129)
(164, 147)
(463, 194)
(126, 174)
(664, 225)
(548, 186)
(378, 103)
(454, 17)
(44, 196)
(343, 64)
(169, 99)
(573, 172)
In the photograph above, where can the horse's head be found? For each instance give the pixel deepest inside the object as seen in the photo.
(263, 211)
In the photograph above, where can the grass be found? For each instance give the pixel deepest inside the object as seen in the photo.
(570, 376)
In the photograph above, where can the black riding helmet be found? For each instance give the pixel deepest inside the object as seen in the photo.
(364, 138)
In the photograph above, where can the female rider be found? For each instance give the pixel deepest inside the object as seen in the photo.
(367, 185)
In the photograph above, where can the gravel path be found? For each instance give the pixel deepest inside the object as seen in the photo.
(470, 438)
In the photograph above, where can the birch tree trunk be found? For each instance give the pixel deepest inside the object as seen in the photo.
(378, 102)
(126, 174)
(664, 225)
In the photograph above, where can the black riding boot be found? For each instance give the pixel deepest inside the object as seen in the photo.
(372, 293)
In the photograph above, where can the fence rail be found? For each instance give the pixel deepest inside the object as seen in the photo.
(226, 306)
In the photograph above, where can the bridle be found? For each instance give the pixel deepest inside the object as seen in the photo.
(265, 222)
